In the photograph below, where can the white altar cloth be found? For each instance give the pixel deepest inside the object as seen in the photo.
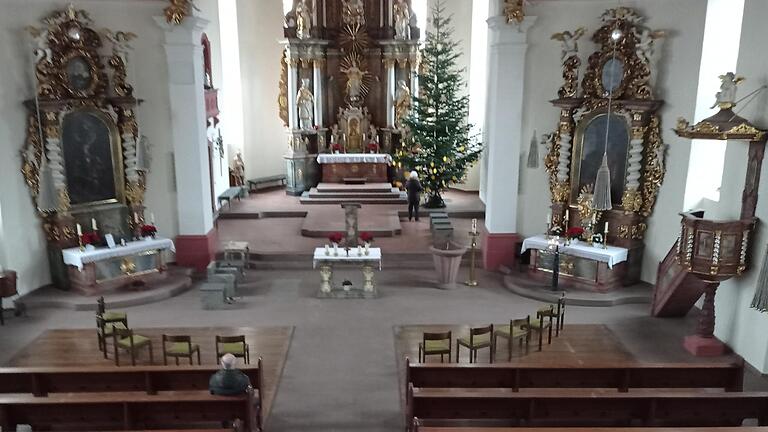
(330, 158)
(374, 254)
(75, 257)
(611, 255)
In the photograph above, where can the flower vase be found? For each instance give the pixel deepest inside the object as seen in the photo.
(335, 249)
(574, 241)
(327, 250)
(367, 248)
(90, 247)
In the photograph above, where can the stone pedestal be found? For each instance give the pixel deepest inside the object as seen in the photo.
(301, 172)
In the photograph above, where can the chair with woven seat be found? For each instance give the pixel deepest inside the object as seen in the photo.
(479, 338)
(234, 345)
(518, 329)
(125, 339)
(543, 323)
(179, 347)
(435, 344)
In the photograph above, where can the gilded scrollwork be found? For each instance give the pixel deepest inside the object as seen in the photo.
(282, 97)
(632, 232)
(178, 10)
(632, 201)
(653, 176)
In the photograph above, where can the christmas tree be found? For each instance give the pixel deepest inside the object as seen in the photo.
(438, 144)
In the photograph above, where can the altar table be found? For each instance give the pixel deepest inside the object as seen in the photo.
(337, 256)
(94, 271)
(338, 166)
(581, 264)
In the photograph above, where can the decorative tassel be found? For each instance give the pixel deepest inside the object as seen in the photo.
(760, 302)
(533, 152)
(602, 196)
(46, 195)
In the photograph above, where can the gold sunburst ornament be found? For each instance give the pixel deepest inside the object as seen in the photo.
(354, 38)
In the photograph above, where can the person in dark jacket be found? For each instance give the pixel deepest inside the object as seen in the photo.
(413, 186)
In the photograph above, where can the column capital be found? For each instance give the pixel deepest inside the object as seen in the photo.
(501, 32)
(188, 32)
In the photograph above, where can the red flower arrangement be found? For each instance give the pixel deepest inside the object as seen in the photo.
(366, 237)
(336, 148)
(574, 232)
(148, 230)
(90, 238)
(335, 237)
(373, 147)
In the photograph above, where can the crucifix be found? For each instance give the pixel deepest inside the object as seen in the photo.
(350, 224)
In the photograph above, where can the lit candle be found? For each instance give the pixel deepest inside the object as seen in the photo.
(79, 230)
(549, 218)
(152, 218)
(606, 227)
(93, 224)
(566, 215)
(474, 225)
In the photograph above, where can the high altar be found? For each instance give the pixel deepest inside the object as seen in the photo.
(614, 104)
(348, 73)
(82, 156)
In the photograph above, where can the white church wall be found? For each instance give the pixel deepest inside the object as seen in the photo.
(675, 83)
(261, 27)
(738, 325)
(21, 226)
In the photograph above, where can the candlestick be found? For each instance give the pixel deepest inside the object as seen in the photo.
(474, 225)
(152, 218)
(79, 230)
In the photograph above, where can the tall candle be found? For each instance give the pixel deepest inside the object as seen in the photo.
(549, 218)
(152, 218)
(135, 217)
(606, 228)
(79, 230)
(566, 215)
(93, 224)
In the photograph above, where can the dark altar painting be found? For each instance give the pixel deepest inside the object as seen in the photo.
(88, 158)
(79, 73)
(591, 154)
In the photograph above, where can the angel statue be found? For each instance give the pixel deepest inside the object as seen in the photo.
(303, 20)
(402, 17)
(568, 41)
(726, 97)
(402, 103)
(238, 169)
(40, 37)
(335, 134)
(353, 12)
(306, 104)
(644, 48)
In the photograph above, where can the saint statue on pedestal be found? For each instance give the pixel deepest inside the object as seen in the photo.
(402, 17)
(726, 97)
(305, 101)
(303, 20)
(238, 170)
(402, 103)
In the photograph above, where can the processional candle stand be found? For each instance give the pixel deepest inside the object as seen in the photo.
(716, 250)
(473, 234)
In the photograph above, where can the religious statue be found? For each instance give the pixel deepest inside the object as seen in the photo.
(306, 104)
(353, 12)
(303, 20)
(335, 134)
(373, 135)
(568, 41)
(644, 48)
(402, 103)
(354, 82)
(238, 169)
(513, 10)
(402, 17)
(726, 97)
(354, 142)
(42, 49)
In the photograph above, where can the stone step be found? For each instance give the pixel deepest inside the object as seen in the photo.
(392, 193)
(368, 187)
(394, 261)
(306, 199)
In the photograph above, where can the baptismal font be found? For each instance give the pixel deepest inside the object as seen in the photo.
(348, 72)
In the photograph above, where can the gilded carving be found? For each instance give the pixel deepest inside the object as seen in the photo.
(178, 10)
(282, 98)
(571, 61)
(632, 201)
(632, 232)
(514, 10)
(653, 154)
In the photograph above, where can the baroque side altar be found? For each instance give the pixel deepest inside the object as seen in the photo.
(349, 71)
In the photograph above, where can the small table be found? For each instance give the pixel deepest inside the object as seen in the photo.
(326, 264)
(94, 271)
(338, 166)
(591, 267)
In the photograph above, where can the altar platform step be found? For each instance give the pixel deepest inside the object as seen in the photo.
(392, 261)
(393, 193)
(367, 187)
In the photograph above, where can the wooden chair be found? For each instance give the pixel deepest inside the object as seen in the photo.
(434, 344)
(105, 329)
(126, 340)
(479, 337)
(110, 316)
(560, 315)
(518, 329)
(179, 347)
(540, 325)
(234, 345)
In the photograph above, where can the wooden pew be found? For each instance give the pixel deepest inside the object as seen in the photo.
(575, 407)
(726, 376)
(42, 381)
(129, 410)
(420, 428)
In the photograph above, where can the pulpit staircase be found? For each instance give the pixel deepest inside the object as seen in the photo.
(676, 290)
(368, 193)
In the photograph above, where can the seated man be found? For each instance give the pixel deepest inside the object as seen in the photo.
(228, 381)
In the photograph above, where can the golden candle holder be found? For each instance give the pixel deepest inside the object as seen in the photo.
(473, 247)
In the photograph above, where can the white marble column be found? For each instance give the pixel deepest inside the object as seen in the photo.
(504, 121)
(318, 91)
(184, 55)
(389, 65)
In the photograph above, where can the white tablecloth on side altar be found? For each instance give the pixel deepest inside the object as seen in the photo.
(330, 158)
(611, 255)
(374, 254)
(75, 257)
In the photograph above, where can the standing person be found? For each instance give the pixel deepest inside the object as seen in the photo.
(413, 186)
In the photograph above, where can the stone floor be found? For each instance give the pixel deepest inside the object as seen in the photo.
(341, 371)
